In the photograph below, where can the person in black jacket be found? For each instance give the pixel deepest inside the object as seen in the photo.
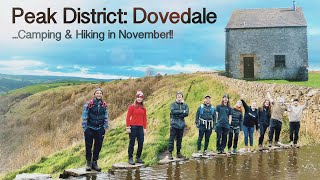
(264, 120)
(204, 121)
(235, 127)
(178, 111)
(251, 118)
(222, 124)
(94, 124)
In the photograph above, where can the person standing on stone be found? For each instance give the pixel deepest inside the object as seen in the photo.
(94, 123)
(264, 121)
(251, 118)
(222, 124)
(136, 123)
(278, 109)
(205, 117)
(178, 111)
(295, 115)
(235, 127)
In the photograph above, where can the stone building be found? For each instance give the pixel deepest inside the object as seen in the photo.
(267, 44)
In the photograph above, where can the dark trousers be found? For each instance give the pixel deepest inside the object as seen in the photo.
(275, 128)
(294, 131)
(234, 132)
(204, 132)
(95, 136)
(136, 133)
(263, 129)
(178, 134)
(222, 133)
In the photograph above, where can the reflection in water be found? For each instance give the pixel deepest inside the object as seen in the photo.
(303, 163)
(133, 174)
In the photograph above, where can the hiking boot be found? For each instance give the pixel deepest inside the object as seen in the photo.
(229, 150)
(277, 144)
(270, 144)
(219, 152)
(291, 144)
(131, 162)
(138, 160)
(88, 166)
(95, 166)
(205, 152)
(260, 147)
(199, 153)
(170, 156)
(180, 156)
(235, 150)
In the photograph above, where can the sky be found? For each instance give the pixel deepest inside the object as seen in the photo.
(194, 47)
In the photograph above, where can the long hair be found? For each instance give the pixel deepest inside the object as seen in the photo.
(265, 107)
(136, 104)
(238, 108)
(228, 104)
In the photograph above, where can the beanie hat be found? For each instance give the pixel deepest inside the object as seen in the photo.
(97, 89)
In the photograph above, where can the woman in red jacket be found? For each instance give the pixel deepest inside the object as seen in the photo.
(136, 126)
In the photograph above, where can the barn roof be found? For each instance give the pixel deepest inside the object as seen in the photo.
(269, 17)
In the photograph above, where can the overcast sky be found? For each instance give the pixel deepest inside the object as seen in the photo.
(194, 47)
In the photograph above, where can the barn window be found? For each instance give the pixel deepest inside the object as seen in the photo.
(280, 60)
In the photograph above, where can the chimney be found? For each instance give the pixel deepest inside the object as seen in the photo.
(294, 6)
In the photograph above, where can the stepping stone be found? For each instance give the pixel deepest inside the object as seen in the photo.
(166, 160)
(196, 155)
(125, 165)
(275, 147)
(244, 151)
(25, 176)
(216, 154)
(76, 172)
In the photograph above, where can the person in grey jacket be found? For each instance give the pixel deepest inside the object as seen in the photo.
(204, 121)
(178, 111)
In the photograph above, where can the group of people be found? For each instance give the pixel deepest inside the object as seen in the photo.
(227, 122)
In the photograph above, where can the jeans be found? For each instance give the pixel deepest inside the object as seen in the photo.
(275, 128)
(136, 133)
(234, 132)
(263, 129)
(248, 132)
(294, 131)
(204, 132)
(95, 136)
(222, 133)
(178, 134)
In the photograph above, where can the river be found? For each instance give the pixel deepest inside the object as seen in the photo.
(302, 163)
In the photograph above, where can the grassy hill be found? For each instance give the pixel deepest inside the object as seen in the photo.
(48, 121)
(11, 82)
(314, 81)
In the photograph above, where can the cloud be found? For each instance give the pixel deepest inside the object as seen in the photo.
(34, 67)
(314, 31)
(19, 64)
(177, 68)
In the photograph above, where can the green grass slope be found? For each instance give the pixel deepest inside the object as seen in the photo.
(63, 124)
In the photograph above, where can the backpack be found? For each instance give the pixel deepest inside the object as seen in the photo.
(201, 109)
(91, 102)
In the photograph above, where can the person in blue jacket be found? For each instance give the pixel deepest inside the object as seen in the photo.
(222, 124)
(94, 123)
(205, 117)
(251, 118)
